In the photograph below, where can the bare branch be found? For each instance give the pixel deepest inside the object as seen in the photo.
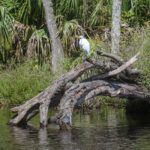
(121, 68)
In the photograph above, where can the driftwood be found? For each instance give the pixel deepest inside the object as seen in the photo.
(67, 92)
(85, 91)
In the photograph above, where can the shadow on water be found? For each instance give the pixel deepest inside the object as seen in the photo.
(108, 129)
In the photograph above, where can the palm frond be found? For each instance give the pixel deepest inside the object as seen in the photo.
(31, 12)
(39, 46)
(6, 28)
(100, 15)
(69, 32)
(69, 7)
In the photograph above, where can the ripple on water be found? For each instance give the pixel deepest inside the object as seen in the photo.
(107, 129)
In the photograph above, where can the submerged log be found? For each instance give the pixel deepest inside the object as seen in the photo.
(82, 92)
(46, 96)
(67, 93)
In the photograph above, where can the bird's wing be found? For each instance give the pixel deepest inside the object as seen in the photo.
(81, 43)
(85, 45)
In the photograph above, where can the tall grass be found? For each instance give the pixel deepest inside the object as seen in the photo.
(138, 40)
(23, 83)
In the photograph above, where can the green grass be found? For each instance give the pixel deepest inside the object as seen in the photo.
(140, 41)
(23, 83)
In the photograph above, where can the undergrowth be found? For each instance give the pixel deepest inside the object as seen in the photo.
(24, 82)
(28, 79)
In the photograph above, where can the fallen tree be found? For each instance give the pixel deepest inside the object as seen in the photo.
(112, 77)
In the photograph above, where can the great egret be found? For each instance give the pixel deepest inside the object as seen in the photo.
(84, 44)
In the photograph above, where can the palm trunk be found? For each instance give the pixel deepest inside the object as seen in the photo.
(116, 22)
(85, 9)
(57, 49)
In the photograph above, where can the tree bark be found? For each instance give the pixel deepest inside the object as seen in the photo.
(116, 25)
(85, 11)
(57, 49)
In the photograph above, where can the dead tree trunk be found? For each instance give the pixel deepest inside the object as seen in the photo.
(68, 92)
(57, 49)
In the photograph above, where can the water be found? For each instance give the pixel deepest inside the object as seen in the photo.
(106, 129)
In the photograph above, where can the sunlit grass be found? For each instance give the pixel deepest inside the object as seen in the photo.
(139, 41)
(23, 83)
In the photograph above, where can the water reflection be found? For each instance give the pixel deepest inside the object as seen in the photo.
(24, 138)
(43, 139)
(108, 129)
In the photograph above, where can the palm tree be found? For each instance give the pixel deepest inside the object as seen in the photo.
(57, 49)
(6, 29)
(116, 24)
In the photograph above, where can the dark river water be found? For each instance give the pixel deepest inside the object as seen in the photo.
(106, 129)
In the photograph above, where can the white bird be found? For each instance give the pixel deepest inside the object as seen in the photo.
(84, 44)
